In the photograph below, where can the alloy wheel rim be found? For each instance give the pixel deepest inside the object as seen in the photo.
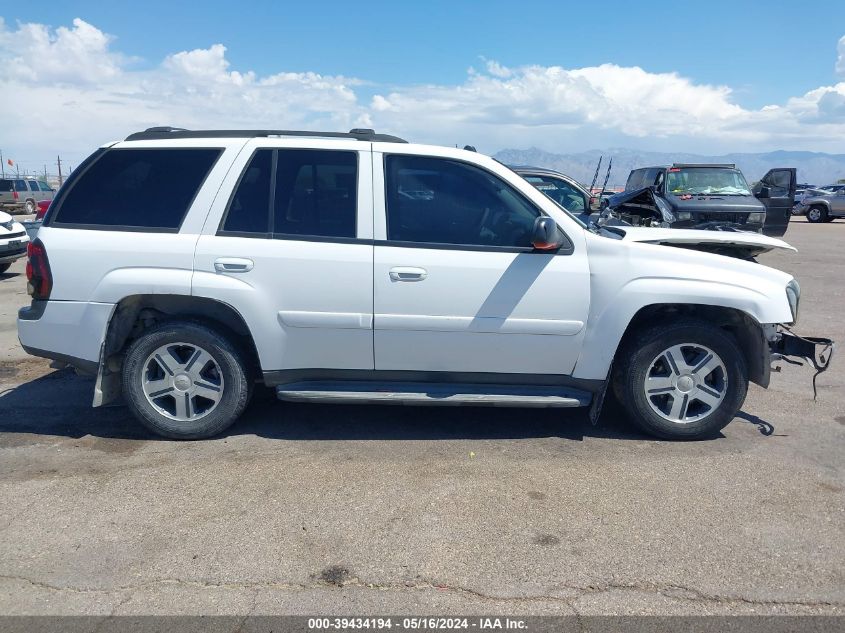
(685, 383)
(182, 381)
(814, 214)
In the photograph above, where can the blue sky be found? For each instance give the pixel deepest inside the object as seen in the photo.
(703, 77)
(768, 51)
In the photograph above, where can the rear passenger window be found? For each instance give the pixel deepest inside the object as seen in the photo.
(33, 186)
(249, 209)
(312, 193)
(137, 188)
(315, 193)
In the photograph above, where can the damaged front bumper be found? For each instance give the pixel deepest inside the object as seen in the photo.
(796, 350)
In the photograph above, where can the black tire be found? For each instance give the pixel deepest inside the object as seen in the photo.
(816, 214)
(235, 384)
(4, 268)
(635, 361)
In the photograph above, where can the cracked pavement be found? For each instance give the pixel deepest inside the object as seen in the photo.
(315, 509)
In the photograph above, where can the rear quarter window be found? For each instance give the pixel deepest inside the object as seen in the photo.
(150, 189)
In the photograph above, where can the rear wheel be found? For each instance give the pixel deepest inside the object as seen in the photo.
(682, 381)
(30, 206)
(185, 381)
(817, 214)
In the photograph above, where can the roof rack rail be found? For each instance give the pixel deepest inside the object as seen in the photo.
(720, 165)
(165, 132)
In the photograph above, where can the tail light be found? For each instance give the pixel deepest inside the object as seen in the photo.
(38, 275)
(15, 195)
(43, 205)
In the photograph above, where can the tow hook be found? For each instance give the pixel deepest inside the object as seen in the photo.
(793, 349)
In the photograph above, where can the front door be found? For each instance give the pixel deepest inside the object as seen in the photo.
(780, 183)
(293, 254)
(458, 286)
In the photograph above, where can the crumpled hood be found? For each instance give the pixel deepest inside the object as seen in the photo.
(690, 237)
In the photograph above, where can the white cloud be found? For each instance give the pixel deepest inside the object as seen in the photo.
(74, 90)
(66, 55)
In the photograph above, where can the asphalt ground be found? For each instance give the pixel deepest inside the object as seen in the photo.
(315, 509)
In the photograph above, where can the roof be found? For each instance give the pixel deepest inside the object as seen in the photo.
(160, 133)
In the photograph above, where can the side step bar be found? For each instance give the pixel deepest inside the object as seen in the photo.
(366, 392)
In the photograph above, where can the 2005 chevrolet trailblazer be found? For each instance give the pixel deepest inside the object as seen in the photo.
(181, 267)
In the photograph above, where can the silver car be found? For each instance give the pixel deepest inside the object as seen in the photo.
(820, 206)
(18, 194)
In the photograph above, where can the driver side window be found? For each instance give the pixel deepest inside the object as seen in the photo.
(441, 201)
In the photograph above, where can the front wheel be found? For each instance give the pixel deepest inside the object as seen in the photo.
(682, 381)
(185, 381)
(816, 214)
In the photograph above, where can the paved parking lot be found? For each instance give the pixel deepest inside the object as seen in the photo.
(337, 509)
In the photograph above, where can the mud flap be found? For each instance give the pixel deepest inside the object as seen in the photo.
(598, 400)
(107, 387)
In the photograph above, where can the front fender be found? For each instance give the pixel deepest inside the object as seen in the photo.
(608, 321)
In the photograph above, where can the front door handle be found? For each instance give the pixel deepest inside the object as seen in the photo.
(233, 265)
(407, 273)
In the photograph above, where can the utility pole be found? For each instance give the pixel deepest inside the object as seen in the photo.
(45, 172)
(59, 163)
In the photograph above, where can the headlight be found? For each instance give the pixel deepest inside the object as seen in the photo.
(756, 218)
(683, 215)
(793, 295)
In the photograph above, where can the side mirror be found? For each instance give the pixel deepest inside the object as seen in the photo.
(546, 235)
(764, 192)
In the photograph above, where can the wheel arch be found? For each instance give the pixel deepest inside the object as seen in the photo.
(745, 329)
(134, 314)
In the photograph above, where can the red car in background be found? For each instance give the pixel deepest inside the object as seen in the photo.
(43, 205)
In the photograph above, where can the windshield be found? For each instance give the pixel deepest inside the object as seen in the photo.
(708, 180)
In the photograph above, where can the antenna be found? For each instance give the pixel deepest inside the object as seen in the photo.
(595, 176)
(606, 177)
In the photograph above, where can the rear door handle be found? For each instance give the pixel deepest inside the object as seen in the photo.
(407, 273)
(233, 265)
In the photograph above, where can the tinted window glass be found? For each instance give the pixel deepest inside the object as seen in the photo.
(33, 186)
(779, 182)
(146, 188)
(315, 193)
(7, 185)
(20, 185)
(436, 200)
(44, 186)
(565, 194)
(249, 210)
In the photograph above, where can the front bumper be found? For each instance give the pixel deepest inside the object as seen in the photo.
(13, 249)
(796, 350)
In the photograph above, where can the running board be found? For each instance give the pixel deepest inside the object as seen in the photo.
(421, 393)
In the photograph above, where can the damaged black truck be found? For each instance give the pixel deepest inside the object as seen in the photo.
(704, 196)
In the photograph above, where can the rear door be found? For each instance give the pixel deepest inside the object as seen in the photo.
(288, 244)
(780, 183)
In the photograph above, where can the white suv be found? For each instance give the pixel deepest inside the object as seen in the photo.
(182, 267)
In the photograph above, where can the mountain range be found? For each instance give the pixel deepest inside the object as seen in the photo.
(813, 167)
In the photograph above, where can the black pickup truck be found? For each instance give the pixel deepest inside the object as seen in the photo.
(705, 196)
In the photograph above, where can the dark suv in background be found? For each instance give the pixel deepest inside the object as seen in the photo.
(709, 196)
